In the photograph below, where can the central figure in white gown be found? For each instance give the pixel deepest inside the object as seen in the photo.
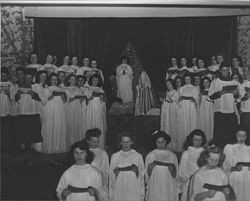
(124, 78)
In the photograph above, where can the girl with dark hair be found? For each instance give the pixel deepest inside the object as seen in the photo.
(73, 109)
(188, 112)
(169, 112)
(96, 107)
(239, 174)
(65, 67)
(172, 70)
(161, 165)
(54, 123)
(210, 182)
(126, 172)
(237, 65)
(124, 79)
(81, 182)
(213, 64)
(178, 83)
(188, 163)
(206, 118)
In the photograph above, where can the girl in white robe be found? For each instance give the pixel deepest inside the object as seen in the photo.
(50, 66)
(239, 175)
(74, 64)
(54, 123)
(34, 64)
(188, 163)
(188, 112)
(206, 116)
(172, 71)
(160, 177)
(210, 173)
(101, 159)
(124, 79)
(169, 112)
(126, 173)
(96, 108)
(73, 112)
(81, 177)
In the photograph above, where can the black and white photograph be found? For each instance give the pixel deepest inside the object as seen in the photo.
(125, 100)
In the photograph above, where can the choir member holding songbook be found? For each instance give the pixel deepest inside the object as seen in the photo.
(161, 169)
(237, 164)
(74, 64)
(29, 120)
(54, 121)
(193, 146)
(126, 172)
(187, 115)
(210, 182)
(245, 103)
(183, 69)
(49, 65)
(95, 69)
(82, 181)
(74, 112)
(34, 63)
(65, 67)
(224, 91)
(172, 70)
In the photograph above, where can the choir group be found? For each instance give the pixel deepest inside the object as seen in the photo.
(58, 108)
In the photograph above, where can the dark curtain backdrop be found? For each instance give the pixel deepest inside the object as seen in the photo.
(155, 40)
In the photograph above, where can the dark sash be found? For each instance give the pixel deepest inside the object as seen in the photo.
(246, 164)
(77, 189)
(159, 163)
(230, 88)
(128, 168)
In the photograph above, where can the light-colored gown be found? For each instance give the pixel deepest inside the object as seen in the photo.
(4, 99)
(161, 186)
(188, 113)
(74, 116)
(240, 181)
(126, 186)
(54, 123)
(80, 176)
(169, 116)
(96, 113)
(206, 116)
(210, 176)
(188, 167)
(124, 78)
(101, 162)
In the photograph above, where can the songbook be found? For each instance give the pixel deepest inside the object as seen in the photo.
(58, 93)
(246, 164)
(215, 187)
(128, 168)
(229, 88)
(187, 98)
(77, 189)
(79, 97)
(204, 93)
(164, 164)
(199, 73)
(24, 90)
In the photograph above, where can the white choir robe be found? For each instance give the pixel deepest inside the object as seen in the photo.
(161, 186)
(96, 113)
(169, 116)
(206, 116)
(240, 181)
(245, 105)
(214, 68)
(124, 78)
(82, 70)
(50, 68)
(81, 177)
(188, 113)
(210, 176)
(67, 69)
(188, 166)
(75, 68)
(101, 162)
(54, 124)
(5, 101)
(74, 116)
(126, 186)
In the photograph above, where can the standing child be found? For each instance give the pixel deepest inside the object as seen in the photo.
(96, 108)
(188, 164)
(54, 123)
(126, 172)
(101, 160)
(74, 112)
(169, 112)
(206, 116)
(81, 182)
(161, 165)
(239, 174)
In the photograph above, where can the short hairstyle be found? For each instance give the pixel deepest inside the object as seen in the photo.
(124, 133)
(239, 59)
(201, 84)
(95, 132)
(224, 65)
(52, 75)
(39, 73)
(189, 138)
(95, 76)
(83, 145)
(188, 75)
(202, 160)
(172, 82)
(240, 128)
(178, 77)
(162, 134)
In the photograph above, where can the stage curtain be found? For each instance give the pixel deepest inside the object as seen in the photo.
(154, 39)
